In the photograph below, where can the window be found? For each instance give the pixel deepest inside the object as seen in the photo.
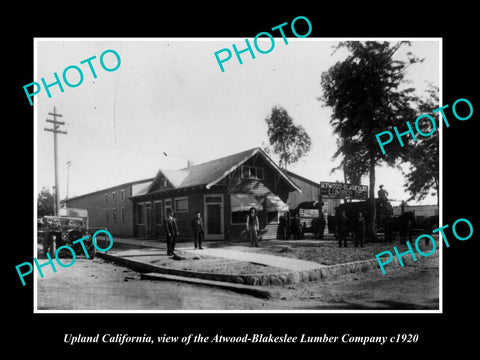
(122, 195)
(140, 215)
(113, 196)
(123, 214)
(158, 212)
(239, 217)
(252, 172)
(181, 204)
(106, 197)
(114, 214)
(105, 212)
(168, 206)
(163, 182)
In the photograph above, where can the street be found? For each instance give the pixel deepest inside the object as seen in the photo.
(99, 285)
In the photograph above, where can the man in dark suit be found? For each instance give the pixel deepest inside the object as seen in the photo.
(171, 233)
(198, 231)
(341, 231)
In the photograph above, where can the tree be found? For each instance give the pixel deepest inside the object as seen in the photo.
(45, 203)
(289, 141)
(423, 156)
(353, 167)
(366, 95)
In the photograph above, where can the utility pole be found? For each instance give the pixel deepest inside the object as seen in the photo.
(55, 130)
(69, 163)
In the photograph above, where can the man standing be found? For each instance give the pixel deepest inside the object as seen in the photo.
(171, 233)
(359, 230)
(296, 227)
(253, 226)
(341, 229)
(198, 231)
(383, 195)
(287, 225)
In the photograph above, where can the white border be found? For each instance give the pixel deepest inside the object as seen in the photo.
(376, 311)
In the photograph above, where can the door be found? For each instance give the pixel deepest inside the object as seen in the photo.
(213, 216)
(148, 220)
(158, 217)
(168, 207)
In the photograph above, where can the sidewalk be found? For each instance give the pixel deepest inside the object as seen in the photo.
(232, 262)
(286, 263)
(263, 259)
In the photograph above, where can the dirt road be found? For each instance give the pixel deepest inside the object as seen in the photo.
(99, 285)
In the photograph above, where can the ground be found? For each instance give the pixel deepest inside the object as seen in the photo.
(324, 252)
(99, 285)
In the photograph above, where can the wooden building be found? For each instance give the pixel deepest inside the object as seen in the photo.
(310, 191)
(111, 207)
(222, 190)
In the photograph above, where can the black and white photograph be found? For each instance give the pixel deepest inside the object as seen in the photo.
(200, 184)
(220, 180)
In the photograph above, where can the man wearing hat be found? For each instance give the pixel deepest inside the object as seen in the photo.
(383, 195)
(171, 232)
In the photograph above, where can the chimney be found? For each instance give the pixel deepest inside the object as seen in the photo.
(189, 163)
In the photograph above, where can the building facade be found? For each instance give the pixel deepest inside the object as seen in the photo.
(223, 191)
(110, 208)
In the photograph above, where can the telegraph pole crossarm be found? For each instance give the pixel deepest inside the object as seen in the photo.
(56, 131)
(56, 122)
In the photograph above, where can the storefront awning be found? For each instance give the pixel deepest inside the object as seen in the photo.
(243, 202)
(274, 203)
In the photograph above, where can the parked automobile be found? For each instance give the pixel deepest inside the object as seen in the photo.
(57, 231)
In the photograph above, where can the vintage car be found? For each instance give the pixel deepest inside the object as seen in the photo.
(57, 231)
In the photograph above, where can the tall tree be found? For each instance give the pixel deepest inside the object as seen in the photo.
(367, 96)
(289, 141)
(423, 156)
(352, 165)
(45, 202)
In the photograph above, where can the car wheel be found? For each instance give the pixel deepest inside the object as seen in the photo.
(46, 243)
(92, 252)
(53, 246)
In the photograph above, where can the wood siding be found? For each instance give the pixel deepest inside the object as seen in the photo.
(310, 191)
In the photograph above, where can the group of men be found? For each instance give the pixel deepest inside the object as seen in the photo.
(357, 225)
(342, 229)
(289, 226)
(171, 232)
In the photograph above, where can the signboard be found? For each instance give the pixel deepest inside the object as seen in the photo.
(309, 213)
(342, 190)
(306, 217)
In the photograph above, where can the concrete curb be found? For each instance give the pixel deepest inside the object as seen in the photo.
(243, 289)
(284, 278)
(250, 279)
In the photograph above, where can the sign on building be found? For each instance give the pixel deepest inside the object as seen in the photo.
(342, 190)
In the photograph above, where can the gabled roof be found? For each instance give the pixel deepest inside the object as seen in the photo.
(211, 172)
(134, 184)
(308, 181)
(141, 188)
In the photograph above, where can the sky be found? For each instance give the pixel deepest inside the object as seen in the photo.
(169, 103)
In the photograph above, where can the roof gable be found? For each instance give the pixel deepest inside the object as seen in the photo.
(173, 177)
(212, 172)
